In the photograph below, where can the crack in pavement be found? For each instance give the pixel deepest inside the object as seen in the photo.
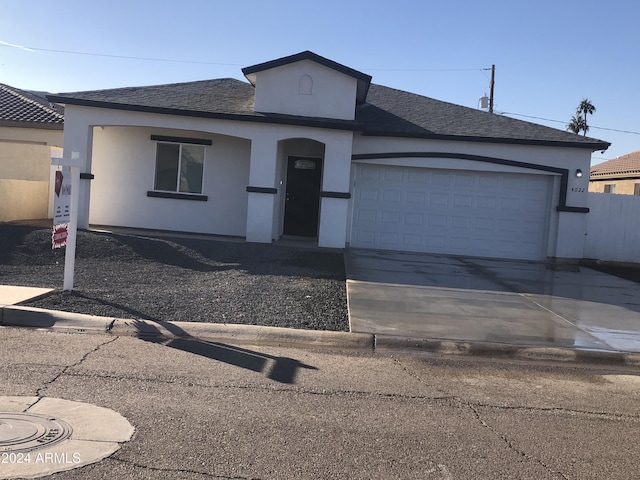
(360, 393)
(265, 388)
(510, 444)
(569, 411)
(179, 470)
(48, 383)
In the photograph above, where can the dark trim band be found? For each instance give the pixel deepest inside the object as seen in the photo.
(573, 209)
(178, 196)
(87, 176)
(563, 172)
(272, 191)
(193, 141)
(335, 195)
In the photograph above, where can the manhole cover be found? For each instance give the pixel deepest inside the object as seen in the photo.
(22, 432)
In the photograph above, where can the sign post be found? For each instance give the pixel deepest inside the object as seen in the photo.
(65, 212)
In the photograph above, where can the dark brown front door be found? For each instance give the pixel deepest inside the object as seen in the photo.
(302, 205)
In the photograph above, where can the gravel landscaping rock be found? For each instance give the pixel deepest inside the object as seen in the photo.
(181, 279)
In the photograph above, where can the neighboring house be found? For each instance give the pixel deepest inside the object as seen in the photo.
(620, 175)
(29, 127)
(309, 147)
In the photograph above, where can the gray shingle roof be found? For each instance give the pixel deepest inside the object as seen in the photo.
(223, 96)
(408, 114)
(625, 165)
(21, 108)
(387, 112)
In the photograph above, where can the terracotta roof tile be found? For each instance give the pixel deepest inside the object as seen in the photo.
(22, 108)
(628, 164)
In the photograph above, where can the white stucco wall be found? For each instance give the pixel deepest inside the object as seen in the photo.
(258, 148)
(285, 90)
(254, 154)
(280, 141)
(124, 168)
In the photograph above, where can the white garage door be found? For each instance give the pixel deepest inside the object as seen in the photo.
(456, 212)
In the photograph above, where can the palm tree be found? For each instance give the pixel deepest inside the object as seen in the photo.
(577, 123)
(585, 108)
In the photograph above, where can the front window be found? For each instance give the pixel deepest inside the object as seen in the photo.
(610, 188)
(179, 167)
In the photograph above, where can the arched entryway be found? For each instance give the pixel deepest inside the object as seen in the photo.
(301, 170)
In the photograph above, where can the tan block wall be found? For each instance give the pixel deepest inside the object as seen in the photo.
(19, 161)
(25, 176)
(623, 187)
(23, 200)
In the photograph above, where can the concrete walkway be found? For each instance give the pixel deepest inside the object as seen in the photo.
(12, 295)
(484, 300)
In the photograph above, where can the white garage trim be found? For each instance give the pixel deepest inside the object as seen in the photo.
(459, 212)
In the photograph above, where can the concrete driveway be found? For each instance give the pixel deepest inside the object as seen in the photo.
(484, 300)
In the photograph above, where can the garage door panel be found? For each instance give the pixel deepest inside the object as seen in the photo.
(450, 211)
(393, 196)
(392, 218)
(411, 219)
(438, 199)
(417, 198)
(441, 179)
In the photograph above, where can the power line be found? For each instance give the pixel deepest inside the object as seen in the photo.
(120, 56)
(560, 121)
(199, 62)
(424, 69)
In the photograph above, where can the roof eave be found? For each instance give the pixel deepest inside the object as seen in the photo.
(593, 146)
(615, 176)
(248, 117)
(35, 125)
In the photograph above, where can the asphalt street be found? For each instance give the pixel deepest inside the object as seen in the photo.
(212, 410)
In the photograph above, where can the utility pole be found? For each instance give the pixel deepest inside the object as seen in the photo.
(493, 74)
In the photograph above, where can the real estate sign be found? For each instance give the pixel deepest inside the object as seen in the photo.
(61, 207)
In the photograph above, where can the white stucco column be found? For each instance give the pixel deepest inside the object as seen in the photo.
(262, 190)
(334, 206)
(78, 136)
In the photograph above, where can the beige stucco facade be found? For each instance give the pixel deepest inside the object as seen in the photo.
(25, 172)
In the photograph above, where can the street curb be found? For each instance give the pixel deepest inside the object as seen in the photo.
(60, 321)
(16, 316)
(245, 334)
(392, 343)
(68, 322)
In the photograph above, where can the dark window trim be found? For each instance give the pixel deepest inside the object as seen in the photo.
(269, 190)
(335, 195)
(193, 141)
(177, 196)
(563, 172)
(87, 176)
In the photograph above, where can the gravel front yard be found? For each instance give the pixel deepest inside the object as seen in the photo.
(177, 279)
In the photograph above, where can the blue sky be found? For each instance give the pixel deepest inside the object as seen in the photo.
(549, 54)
